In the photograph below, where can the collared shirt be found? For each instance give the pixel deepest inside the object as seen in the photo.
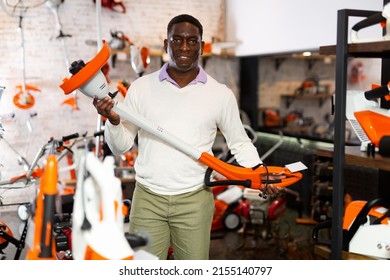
(201, 77)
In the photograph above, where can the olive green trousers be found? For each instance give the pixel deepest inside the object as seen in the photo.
(182, 221)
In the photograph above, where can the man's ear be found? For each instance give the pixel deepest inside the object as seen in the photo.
(201, 47)
(166, 45)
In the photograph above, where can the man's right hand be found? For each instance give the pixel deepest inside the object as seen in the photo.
(104, 108)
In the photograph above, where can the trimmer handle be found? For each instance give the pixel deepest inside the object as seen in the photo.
(378, 92)
(70, 136)
(369, 21)
(245, 183)
(209, 183)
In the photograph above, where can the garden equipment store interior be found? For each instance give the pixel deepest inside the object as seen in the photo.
(313, 96)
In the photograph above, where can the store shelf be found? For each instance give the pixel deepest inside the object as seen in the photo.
(341, 154)
(380, 49)
(354, 156)
(323, 252)
(309, 60)
(321, 97)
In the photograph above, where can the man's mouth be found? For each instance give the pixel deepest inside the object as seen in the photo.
(183, 57)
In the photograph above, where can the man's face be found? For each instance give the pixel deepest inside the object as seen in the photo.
(184, 46)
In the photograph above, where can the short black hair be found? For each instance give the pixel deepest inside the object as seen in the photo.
(185, 18)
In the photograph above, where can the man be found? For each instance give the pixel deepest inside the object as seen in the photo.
(170, 201)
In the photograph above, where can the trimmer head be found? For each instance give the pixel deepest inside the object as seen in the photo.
(87, 77)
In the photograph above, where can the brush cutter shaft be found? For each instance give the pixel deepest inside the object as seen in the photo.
(156, 130)
(249, 177)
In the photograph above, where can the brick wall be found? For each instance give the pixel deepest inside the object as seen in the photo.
(144, 22)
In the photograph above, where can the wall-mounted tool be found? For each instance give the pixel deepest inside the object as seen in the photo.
(54, 6)
(113, 5)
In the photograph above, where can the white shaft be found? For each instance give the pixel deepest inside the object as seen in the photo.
(128, 114)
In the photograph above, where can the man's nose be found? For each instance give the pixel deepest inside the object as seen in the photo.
(184, 44)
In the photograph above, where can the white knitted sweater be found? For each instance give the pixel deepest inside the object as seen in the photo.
(193, 114)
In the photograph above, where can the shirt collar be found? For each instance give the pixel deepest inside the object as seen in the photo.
(201, 77)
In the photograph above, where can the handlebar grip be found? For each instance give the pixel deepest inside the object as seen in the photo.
(99, 133)
(112, 95)
(135, 240)
(209, 183)
(271, 181)
(371, 20)
(69, 137)
(376, 93)
(316, 229)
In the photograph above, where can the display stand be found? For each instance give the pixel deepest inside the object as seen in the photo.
(343, 52)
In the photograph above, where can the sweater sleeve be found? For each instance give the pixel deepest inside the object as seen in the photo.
(236, 137)
(120, 138)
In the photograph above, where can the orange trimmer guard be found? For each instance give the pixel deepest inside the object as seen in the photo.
(258, 177)
(88, 71)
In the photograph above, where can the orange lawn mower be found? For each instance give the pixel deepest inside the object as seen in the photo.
(236, 206)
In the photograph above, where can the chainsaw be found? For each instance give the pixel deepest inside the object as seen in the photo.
(366, 228)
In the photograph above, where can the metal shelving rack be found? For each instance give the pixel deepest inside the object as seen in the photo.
(343, 51)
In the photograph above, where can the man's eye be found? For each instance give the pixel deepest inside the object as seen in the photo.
(193, 41)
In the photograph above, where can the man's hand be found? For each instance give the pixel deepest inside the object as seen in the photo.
(270, 189)
(104, 108)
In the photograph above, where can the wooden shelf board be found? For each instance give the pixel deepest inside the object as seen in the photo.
(324, 253)
(354, 156)
(371, 49)
(307, 96)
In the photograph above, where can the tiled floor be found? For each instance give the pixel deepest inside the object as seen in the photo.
(286, 240)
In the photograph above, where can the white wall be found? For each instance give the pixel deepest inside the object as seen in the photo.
(279, 26)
